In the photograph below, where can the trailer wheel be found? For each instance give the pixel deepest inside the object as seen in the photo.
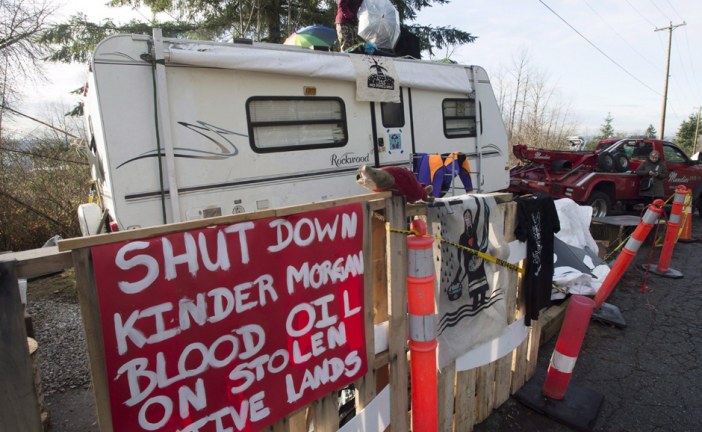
(600, 203)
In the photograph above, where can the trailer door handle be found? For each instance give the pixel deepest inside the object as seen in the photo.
(381, 144)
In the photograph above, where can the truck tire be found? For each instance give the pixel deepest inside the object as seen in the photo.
(605, 162)
(600, 202)
(621, 162)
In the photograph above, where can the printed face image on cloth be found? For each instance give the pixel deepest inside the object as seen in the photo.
(471, 298)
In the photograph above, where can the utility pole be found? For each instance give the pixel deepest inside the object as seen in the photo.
(670, 29)
(697, 130)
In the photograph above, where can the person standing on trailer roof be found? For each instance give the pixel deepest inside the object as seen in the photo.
(347, 23)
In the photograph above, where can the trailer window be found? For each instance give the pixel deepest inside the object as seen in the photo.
(295, 123)
(393, 114)
(459, 118)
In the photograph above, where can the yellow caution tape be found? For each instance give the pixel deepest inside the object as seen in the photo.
(493, 259)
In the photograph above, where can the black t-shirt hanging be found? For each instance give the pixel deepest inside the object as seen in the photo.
(537, 221)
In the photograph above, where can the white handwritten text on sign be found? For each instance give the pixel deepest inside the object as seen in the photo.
(232, 327)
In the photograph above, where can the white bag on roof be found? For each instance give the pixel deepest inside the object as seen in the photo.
(379, 23)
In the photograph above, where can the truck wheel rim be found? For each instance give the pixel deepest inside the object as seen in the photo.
(598, 208)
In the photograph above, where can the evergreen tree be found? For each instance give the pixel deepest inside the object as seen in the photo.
(650, 132)
(685, 137)
(606, 130)
(222, 20)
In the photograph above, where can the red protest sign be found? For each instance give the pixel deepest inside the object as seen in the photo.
(232, 327)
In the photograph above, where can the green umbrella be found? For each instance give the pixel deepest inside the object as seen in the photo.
(305, 40)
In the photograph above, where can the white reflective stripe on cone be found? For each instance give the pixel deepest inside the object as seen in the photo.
(420, 263)
(633, 244)
(563, 363)
(650, 217)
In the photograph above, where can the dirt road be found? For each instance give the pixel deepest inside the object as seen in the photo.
(650, 372)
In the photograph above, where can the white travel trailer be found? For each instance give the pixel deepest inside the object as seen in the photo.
(183, 129)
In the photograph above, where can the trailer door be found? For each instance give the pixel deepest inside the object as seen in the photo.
(393, 131)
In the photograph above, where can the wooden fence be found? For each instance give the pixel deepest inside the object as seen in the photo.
(466, 397)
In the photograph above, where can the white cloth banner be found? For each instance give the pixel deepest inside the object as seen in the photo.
(376, 79)
(471, 296)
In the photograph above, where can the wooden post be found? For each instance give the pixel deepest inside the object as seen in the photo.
(503, 372)
(397, 294)
(326, 413)
(19, 407)
(446, 392)
(365, 387)
(466, 400)
(89, 309)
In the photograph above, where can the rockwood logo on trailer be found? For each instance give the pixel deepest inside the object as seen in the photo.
(349, 159)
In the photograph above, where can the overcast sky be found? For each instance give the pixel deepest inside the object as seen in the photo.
(603, 56)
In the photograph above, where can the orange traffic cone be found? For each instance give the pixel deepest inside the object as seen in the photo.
(686, 227)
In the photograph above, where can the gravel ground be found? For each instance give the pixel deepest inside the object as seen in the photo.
(59, 331)
(63, 357)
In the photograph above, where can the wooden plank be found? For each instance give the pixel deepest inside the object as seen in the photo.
(281, 426)
(551, 321)
(380, 275)
(485, 391)
(465, 400)
(502, 197)
(503, 366)
(533, 350)
(503, 380)
(298, 421)
(520, 354)
(447, 387)
(89, 308)
(19, 406)
(397, 294)
(37, 262)
(380, 293)
(365, 388)
(81, 242)
(326, 413)
(519, 366)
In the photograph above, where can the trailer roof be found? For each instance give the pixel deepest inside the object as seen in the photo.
(283, 59)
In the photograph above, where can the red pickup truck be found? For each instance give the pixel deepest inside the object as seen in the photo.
(603, 177)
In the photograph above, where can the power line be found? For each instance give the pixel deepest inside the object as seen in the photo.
(674, 10)
(640, 14)
(38, 121)
(659, 10)
(37, 155)
(598, 49)
(692, 65)
(620, 36)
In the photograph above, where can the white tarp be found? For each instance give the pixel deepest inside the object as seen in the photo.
(300, 62)
(575, 231)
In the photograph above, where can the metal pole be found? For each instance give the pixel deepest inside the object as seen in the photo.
(670, 29)
(697, 130)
